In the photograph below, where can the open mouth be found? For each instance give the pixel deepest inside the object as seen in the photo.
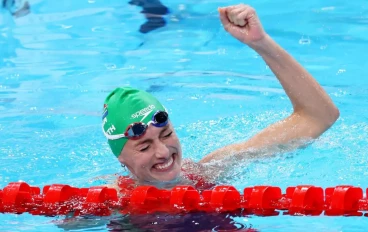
(163, 167)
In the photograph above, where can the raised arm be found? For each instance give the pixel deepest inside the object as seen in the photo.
(314, 112)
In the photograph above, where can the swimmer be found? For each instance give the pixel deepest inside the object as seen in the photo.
(154, 11)
(140, 134)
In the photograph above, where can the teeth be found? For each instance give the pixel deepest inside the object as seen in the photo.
(165, 165)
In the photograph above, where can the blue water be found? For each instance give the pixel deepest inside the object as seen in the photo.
(59, 62)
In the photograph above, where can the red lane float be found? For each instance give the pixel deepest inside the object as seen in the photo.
(58, 199)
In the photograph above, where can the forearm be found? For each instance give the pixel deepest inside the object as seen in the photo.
(306, 95)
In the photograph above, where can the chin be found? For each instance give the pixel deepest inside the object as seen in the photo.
(168, 176)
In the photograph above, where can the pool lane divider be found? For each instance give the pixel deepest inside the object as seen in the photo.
(59, 199)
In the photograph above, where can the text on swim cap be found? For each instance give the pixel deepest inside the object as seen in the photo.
(111, 129)
(143, 112)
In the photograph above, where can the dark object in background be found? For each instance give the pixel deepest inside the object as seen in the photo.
(153, 11)
(17, 8)
(152, 24)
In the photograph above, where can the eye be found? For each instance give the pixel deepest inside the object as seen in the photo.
(144, 148)
(168, 135)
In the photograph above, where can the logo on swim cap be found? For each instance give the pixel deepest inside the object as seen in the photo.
(143, 112)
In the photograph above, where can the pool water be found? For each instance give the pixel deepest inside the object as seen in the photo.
(60, 61)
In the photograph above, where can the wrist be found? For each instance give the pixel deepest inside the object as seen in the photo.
(264, 45)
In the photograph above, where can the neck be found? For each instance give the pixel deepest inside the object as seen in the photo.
(163, 184)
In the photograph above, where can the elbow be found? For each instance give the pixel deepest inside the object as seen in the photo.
(325, 121)
(331, 116)
(323, 118)
(335, 114)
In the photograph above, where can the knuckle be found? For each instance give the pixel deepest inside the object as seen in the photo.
(252, 10)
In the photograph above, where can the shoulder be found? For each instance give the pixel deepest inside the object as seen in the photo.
(197, 175)
(125, 185)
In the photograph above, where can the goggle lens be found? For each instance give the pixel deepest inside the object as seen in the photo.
(136, 130)
(161, 117)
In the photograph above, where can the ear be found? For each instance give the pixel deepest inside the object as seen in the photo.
(123, 162)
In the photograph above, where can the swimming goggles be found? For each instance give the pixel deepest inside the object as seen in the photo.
(137, 129)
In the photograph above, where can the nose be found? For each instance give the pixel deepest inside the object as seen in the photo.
(161, 151)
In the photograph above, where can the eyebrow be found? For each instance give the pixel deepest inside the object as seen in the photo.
(165, 128)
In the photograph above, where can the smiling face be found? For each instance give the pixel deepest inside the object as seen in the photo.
(156, 156)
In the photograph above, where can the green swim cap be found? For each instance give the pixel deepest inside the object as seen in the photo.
(124, 106)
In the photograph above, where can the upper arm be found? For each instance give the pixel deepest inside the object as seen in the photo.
(290, 133)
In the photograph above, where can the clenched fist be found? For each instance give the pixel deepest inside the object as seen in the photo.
(242, 22)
